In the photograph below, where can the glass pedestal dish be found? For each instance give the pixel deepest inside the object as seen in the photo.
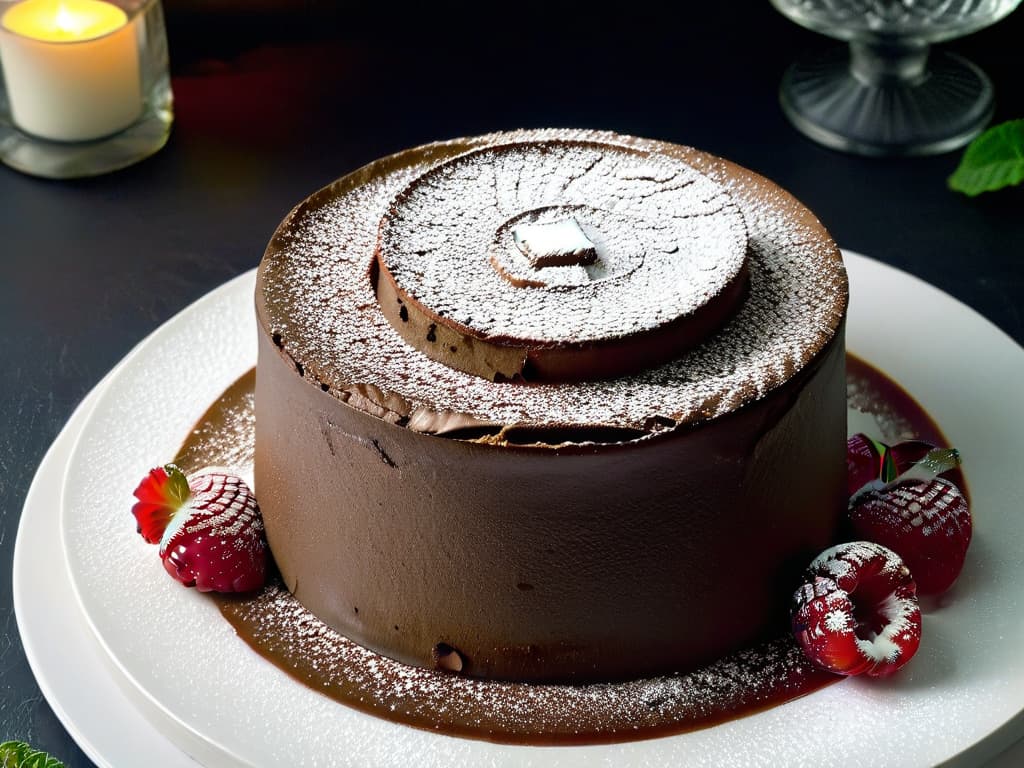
(886, 93)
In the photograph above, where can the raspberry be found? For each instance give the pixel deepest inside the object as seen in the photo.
(926, 521)
(857, 612)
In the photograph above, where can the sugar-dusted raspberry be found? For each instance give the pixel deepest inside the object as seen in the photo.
(927, 522)
(857, 612)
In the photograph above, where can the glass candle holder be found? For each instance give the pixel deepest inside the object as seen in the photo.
(85, 85)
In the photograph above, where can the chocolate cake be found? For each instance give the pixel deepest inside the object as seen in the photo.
(550, 405)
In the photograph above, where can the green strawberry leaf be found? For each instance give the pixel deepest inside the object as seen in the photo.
(933, 464)
(177, 486)
(992, 161)
(18, 754)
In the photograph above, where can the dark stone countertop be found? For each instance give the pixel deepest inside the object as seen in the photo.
(276, 102)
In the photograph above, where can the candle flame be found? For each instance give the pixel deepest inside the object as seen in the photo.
(63, 21)
(67, 21)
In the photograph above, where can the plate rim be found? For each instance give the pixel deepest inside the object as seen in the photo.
(34, 625)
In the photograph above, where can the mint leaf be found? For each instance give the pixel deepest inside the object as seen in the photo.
(992, 161)
(18, 754)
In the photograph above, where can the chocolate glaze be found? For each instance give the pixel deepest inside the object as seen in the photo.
(276, 626)
(655, 519)
(633, 550)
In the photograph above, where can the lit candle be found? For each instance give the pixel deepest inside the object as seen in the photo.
(71, 68)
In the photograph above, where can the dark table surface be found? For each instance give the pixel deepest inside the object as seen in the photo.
(276, 102)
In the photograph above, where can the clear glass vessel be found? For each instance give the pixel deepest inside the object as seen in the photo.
(886, 92)
(84, 85)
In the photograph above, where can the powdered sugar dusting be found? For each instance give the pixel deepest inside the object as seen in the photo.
(844, 563)
(935, 508)
(276, 625)
(668, 239)
(904, 617)
(233, 445)
(316, 299)
(890, 422)
(221, 506)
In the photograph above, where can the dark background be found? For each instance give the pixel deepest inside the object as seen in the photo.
(274, 100)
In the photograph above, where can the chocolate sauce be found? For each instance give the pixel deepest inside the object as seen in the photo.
(277, 627)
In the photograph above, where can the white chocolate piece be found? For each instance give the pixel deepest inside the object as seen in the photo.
(557, 243)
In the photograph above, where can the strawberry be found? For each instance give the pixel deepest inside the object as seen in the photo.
(906, 454)
(927, 521)
(160, 494)
(209, 528)
(869, 460)
(857, 612)
(864, 458)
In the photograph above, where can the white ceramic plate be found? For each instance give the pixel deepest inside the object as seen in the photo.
(961, 700)
(71, 668)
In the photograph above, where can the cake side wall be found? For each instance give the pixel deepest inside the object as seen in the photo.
(600, 563)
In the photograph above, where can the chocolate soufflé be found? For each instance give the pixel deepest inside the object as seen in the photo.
(550, 406)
